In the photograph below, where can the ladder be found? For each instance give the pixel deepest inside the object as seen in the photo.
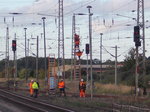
(77, 70)
(77, 55)
(52, 77)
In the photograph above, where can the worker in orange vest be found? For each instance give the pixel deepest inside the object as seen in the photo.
(77, 40)
(30, 88)
(61, 86)
(82, 88)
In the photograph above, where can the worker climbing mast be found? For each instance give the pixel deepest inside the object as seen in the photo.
(78, 54)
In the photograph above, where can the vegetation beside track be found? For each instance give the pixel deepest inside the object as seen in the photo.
(86, 104)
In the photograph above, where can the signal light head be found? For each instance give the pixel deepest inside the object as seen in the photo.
(13, 45)
(137, 36)
(87, 48)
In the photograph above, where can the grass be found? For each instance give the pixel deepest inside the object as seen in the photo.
(73, 87)
(112, 89)
(3, 79)
(80, 104)
(86, 104)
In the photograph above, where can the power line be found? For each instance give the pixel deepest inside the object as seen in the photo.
(80, 7)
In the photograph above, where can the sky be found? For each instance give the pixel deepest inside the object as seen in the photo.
(113, 18)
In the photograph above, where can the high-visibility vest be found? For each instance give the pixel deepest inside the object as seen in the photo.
(77, 40)
(30, 85)
(35, 85)
(82, 85)
(61, 84)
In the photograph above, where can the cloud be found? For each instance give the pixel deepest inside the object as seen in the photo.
(101, 9)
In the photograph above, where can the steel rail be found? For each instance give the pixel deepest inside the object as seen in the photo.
(114, 107)
(24, 104)
(34, 104)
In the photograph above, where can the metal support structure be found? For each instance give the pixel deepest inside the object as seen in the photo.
(16, 56)
(14, 70)
(79, 68)
(52, 77)
(87, 70)
(7, 56)
(73, 48)
(101, 34)
(41, 35)
(28, 49)
(61, 56)
(116, 65)
(26, 76)
(27, 57)
(141, 24)
(116, 56)
(37, 56)
(90, 44)
(75, 61)
(136, 72)
(45, 65)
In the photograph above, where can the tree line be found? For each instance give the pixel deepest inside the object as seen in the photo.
(126, 73)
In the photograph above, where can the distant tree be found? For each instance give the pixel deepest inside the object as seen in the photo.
(31, 73)
(129, 61)
(2, 63)
(128, 69)
(22, 73)
(41, 74)
(148, 66)
(109, 62)
(2, 74)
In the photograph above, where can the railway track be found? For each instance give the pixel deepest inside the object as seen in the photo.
(37, 106)
(31, 103)
(44, 107)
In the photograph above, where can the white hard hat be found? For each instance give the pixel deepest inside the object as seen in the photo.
(31, 80)
(81, 79)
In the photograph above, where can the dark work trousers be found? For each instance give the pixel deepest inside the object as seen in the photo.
(35, 93)
(62, 91)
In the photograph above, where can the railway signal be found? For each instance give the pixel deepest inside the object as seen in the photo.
(14, 52)
(137, 36)
(87, 48)
(14, 45)
(137, 44)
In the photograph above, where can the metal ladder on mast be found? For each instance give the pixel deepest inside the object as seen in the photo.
(52, 77)
(77, 63)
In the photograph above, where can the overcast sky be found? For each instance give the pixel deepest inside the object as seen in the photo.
(113, 18)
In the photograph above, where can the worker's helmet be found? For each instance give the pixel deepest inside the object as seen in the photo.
(61, 79)
(31, 80)
(82, 80)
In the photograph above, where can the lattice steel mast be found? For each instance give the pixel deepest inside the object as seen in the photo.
(61, 57)
(73, 49)
(141, 24)
(7, 55)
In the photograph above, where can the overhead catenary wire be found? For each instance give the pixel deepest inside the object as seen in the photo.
(106, 40)
(80, 7)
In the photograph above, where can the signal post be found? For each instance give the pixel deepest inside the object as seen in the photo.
(137, 44)
(87, 66)
(14, 69)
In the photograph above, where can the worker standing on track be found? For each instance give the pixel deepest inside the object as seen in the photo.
(61, 86)
(82, 88)
(30, 88)
(35, 87)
